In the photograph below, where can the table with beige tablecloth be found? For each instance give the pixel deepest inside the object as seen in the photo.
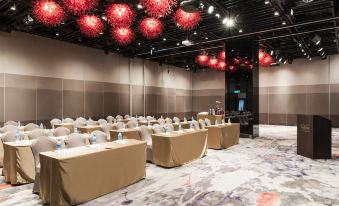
(223, 136)
(18, 162)
(85, 173)
(178, 148)
(212, 118)
(184, 125)
(129, 133)
(89, 129)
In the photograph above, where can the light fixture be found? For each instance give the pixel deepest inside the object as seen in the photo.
(267, 2)
(190, 5)
(230, 23)
(272, 52)
(178, 44)
(292, 12)
(280, 59)
(57, 34)
(276, 13)
(104, 18)
(302, 50)
(319, 50)
(224, 21)
(240, 30)
(217, 15)
(164, 39)
(206, 38)
(13, 7)
(285, 61)
(316, 39)
(139, 6)
(300, 45)
(283, 23)
(210, 9)
(139, 44)
(195, 33)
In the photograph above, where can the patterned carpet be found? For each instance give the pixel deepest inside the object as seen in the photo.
(265, 172)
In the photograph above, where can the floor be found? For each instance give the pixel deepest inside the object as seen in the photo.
(264, 172)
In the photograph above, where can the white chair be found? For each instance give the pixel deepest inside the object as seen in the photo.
(107, 128)
(126, 116)
(120, 125)
(81, 119)
(157, 129)
(168, 120)
(110, 119)
(11, 123)
(75, 140)
(169, 127)
(35, 134)
(176, 120)
(61, 131)
(42, 144)
(161, 122)
(101, 136)
(91, 122)
(146, 135)
(132, 124)
(68, 121)
(102, 121)
(31, 127)
(10, 136)
(195, 124)
(8, 128)
(54, 122)
(208, 122)
(202, 124)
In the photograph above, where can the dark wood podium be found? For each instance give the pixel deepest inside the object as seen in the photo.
(314, 137)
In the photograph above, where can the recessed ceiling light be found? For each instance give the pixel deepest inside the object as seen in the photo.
(267, 2)
(164, 39)
(302, 50)
(240, 30)
(276, 13)
(299, 45)
(206, 38)
(195, 33)
(104, 18)
(310, 59)
(13, 7)
(318, 42)
(292, 12)
(230, 23)
(57, 34)
(139, 6)
(139, 43)
(178, 44)
(319, 50)
(210, 9)
(280, 59)
(283, 23)
(224, 21)
(217, 15)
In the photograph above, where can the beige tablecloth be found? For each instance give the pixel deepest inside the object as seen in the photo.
(67, 125)
(184, 125)
(18, 162)
(210, 117)
(85, 173)
(126, 134)
(89, 129)
(223, 136)
(178, 148)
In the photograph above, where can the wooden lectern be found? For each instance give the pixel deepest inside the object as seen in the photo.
(314, 137)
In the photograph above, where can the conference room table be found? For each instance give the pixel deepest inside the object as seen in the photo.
(179, 147)
(223, 136)
(212, 118)
(89, 129)
(80, 174)
(184, 125)
(128, 133)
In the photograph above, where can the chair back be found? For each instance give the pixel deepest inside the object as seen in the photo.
(176, 120)
(161, 122)
(146, 134)
(100, 135)
(35, 134)
(68, 120)
(132, 124)
(120, 125)
(208, 122)
(10, 136)
(202, 124)
(110, 119)
(54, 122)
(42, 144)
(126, 116)
(81, 119)
(31, 127)
(9, 128)
(75, 140)
(61, 131)
(168, 120)
(169, 127)
(11, 123)
(91, 122)
(196, 124)
(102, 121)
(157, 129)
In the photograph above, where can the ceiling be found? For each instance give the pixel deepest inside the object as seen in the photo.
(289, 36)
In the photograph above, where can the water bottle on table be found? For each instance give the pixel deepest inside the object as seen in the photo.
(119, 136)
(94, 139)
(216, 122)
(58, 146)
(17, 136)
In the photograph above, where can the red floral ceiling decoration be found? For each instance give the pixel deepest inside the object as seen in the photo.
(120, 15)
(202, 59)
(123, 35)
(91, 25)
(213, 62)
(222, 55)
(231, 68)
(186, 21)
(79, 7)
(158, 8)
(151, 28)
(221, 66)
(48, 12)
(265, 59)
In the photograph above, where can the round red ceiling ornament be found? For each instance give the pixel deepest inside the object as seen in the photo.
(221, 65)
(91, 25)
(120, 15)
(231, 68)
(237, 61)
(48, 12)
(202, 59)
(267, 61)
(222, 55)
(79, 7)
(213, 62)
(186, 21)
(151, 28)
(262, 54)
(250, 66)
(158, 8)
(123, 35)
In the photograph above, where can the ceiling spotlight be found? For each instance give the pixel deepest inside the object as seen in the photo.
(302, 50)
(139, 44)
(285, 61)
(206, 38)
(164, 39)
(322, 54)
(319, 50)
(139, 6)
(210, 9)
(240, 30)
(272, 52)
(305, 54)
(267, 2)
(178, 44)
(230, 23)
(57, 34)
(300, 45)
(217, 15)
(13, 7)
(280, 59)
(283, 23)
(316, 39)
(225, 20)
(276, 13)
(104, 18)
(292, 12)
(195, 33)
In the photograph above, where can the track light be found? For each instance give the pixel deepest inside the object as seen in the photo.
(210, 9)
(319, 50)
(217, 15)
(316, 39)
(267, 2)
(283, 23)
(292, 12)
(225, 20)
(13, 7)
(139, 6)
(276, 13)
(230, 23)
(272, 52)
(240, 30)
